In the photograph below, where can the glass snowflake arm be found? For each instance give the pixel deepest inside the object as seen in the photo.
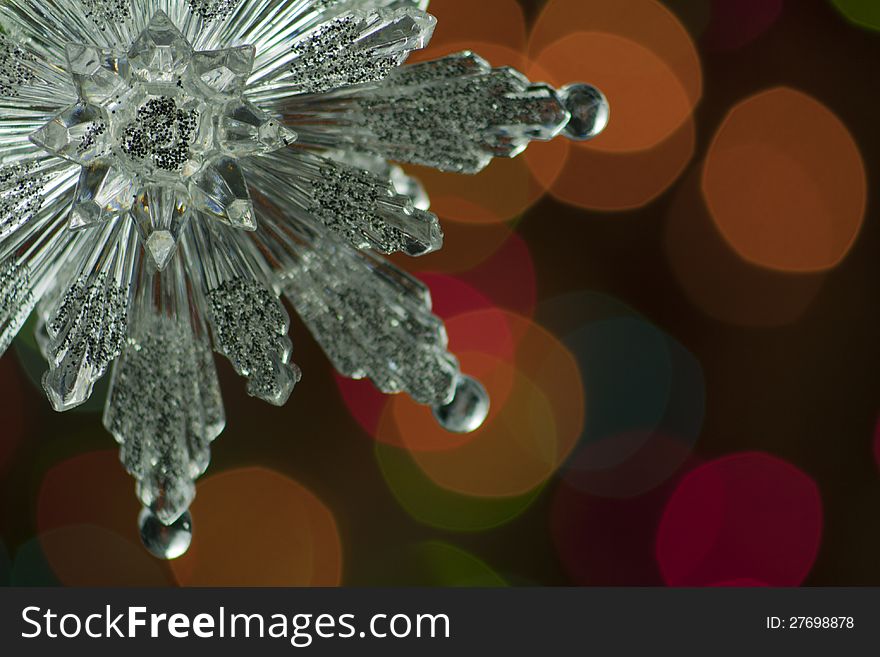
(89, 325)
(248, 323)
(32, 81)
(164, 406)
(356, 204)
(455, 114)
(372, 319)
(374, 322)
(343, 50)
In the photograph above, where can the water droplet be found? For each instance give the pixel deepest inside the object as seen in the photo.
(589, 111)
(468, 409)
(165, 541)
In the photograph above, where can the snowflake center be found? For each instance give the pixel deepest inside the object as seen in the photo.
(159, 129)
(162, 132)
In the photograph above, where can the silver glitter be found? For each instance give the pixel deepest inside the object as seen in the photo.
(350, 202)
(162, 132)
(373, 321)
(88, 332)
(14, 69)
(355, 48)
(107, 11)
(211, 10)
(16, 301)
(164, 409)
(21, 195)
(355, 204)
(454, 114)
(251, 331)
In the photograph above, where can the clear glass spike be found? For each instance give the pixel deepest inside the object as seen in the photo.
(353, 48)
(79, 134)
(455, 114)
(160, 55)
(88, 328)
(220, 190)
(244, 129)
(164, 406)
(223, 72)
(161, 213)
(251, 325)
(360, 206)
(22, 194)
(373, 321)
(105, 192)
(100, 75)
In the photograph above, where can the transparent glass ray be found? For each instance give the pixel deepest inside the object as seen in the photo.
(372, 319)
(453, 114)
(88, 329)
(33, 253)
(161, 213)
(164, 406)
(248, 323)
(357, 205)
(31, 81)
(352, 48)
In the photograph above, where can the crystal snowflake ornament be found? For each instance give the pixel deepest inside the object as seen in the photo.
(169, 169)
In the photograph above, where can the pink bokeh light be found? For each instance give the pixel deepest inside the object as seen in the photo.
(747, 516)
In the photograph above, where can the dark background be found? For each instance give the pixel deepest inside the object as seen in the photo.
(802, 389)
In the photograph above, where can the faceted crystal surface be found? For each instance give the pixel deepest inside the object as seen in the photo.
(104, 193)
(158, 129)
(160, 55)
(99, 74)
(224, 72)
(78, 134)
(160, 214)
(220, 190)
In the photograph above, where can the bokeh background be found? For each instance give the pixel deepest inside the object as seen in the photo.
(677, 323)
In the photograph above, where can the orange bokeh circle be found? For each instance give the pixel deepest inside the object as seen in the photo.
(720, 282)
(626, 48)
(494, 21)
(501, 192)
(256, 527)
(89, 489)
(87, 555)
(410, 425)
(785, 182)
(648, 101)
(518, 450)
(614, 182)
